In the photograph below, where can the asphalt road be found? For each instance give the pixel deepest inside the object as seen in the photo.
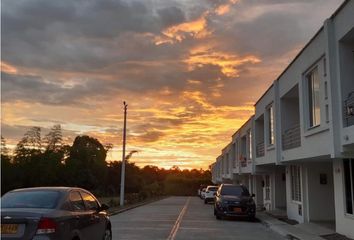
(183, 218)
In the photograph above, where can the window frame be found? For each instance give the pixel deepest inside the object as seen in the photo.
(270, 125)
(313, 96)
(249, 144)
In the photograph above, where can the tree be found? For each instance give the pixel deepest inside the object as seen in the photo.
(54, 139)
(86, 163)
(33, 139)
(4, 149)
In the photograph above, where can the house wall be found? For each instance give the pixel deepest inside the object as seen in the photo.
(260, 109)
(338, 28)
(320, 196)
(321, 146)
(315, 141)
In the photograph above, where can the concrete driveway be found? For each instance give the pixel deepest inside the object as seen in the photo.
(183, 218)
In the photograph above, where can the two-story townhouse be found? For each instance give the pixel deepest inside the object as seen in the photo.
(303, 131)
(340, 47)
(314, 93)
(270, 174)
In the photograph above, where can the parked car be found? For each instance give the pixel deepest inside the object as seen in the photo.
(53, 213)
(234, 201)
(202, 193)
(200, 189)
(210, 193)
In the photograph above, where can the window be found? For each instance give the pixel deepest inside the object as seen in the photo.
(313, 83)
(348, 165)
(227, 163)
(30, 199)
(249, 144)
(327, 114)
(326, 90)
(76, 201)
(90, 201)
(235, 154)
(295, 178)
(270, 125)
(234, 191)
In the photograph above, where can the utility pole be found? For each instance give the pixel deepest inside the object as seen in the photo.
(122, 177)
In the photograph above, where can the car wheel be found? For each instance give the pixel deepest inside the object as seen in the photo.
(205, 201)
(107, 234)
(252, 218)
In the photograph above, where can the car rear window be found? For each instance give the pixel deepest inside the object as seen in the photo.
(213, 188)
(30, 199)
(234, 191)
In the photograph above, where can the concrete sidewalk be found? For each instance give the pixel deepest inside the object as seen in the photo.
(303, 231)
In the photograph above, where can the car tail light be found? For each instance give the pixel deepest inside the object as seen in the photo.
(46, 225)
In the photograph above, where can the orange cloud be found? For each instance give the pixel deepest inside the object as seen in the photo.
(195, 29)
(226, 61)
(224, 8)
(7, 68)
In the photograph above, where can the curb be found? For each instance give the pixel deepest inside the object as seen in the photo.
(135, 206)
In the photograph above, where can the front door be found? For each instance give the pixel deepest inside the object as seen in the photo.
(267, 192)
(96, 220)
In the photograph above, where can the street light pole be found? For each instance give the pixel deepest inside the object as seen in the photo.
(122, 176)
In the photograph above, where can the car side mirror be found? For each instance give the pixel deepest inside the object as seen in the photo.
(104, 207)
(253, 195)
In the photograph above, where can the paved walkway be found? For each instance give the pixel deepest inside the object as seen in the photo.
(184, 218)
(304, 231)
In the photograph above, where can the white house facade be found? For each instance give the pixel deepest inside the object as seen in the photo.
(297, 152)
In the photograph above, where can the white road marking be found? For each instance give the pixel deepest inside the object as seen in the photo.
(175, 228)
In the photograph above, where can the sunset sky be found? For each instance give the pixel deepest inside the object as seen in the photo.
(190, 70)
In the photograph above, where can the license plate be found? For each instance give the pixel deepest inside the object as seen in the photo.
(238, 210)
(9, 228)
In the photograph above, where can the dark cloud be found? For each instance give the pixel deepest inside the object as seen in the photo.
(76, 35)
(30, 88)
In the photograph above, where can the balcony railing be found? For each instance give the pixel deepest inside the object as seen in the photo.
(260, 149)
(243, 161)
(291, 138)
(349, 110)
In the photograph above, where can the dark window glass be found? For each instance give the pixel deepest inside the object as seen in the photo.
(213, 189)
(76, 201)
(348, 186)
(30, 199)
(234, 191)
(90, 201)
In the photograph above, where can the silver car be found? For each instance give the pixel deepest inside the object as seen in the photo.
(53, 213)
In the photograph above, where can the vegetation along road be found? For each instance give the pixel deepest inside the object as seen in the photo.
(183, 218)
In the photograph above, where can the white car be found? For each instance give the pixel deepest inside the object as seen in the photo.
(209, 194)
(202, 193)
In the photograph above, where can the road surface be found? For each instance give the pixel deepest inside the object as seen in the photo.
(183, 218)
